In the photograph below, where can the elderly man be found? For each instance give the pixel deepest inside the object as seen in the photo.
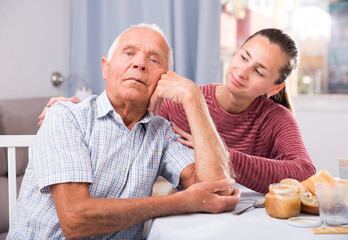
(93, 164)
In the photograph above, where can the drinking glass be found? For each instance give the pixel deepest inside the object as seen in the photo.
(343, 167)
(333, 202)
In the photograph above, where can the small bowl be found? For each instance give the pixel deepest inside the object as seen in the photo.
(333, 202)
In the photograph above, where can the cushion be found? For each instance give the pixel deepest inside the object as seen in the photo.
(19, 117)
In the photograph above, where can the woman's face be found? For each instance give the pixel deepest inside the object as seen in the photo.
(254, 69)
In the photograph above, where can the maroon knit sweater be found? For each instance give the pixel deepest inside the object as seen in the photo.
(264, 141)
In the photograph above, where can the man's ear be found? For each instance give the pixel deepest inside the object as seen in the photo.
(275, 90)
(105, 66)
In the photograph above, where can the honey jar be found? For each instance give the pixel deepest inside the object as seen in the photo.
(283, 201)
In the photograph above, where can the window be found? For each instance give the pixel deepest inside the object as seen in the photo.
(320, 27)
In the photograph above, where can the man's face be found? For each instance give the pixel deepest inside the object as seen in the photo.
(136, 66)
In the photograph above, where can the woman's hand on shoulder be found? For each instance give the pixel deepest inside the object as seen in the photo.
(185, 139)
(53, 100)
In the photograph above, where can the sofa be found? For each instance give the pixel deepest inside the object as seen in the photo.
(17, 117)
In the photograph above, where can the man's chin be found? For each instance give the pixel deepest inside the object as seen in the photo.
(136, 97)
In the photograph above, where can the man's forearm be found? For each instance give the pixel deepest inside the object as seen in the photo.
(82, 216)
(95, 216)
(211, 155)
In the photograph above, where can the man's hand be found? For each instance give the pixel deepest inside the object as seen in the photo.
(53, 100)
(204, 197)
(174, 87)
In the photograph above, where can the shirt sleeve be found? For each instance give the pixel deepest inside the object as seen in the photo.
(175, 158)
(59, 152)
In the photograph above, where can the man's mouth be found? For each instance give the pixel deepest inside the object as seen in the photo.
(136, 79)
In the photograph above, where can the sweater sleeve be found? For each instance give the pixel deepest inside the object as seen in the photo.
(288, 157)
(165, 109)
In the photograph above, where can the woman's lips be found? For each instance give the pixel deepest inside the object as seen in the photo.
(235, 81)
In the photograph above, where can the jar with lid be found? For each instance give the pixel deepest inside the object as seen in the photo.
(283, 201)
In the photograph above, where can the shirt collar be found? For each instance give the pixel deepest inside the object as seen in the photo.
(104, 107)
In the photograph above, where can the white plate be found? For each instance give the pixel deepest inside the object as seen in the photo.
(304, 222)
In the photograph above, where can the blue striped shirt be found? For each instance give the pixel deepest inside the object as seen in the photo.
(88, 142)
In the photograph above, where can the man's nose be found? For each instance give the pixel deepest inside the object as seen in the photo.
(140, 63)
(142, 68)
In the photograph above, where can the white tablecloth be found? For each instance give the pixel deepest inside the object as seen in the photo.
(254, 224)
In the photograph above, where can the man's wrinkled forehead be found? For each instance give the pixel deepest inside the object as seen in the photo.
(137, 37)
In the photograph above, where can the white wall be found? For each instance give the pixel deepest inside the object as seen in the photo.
(34, 42)
(324, 124)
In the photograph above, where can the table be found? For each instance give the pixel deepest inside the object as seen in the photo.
(254, 224)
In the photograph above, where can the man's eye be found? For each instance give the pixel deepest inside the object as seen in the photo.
(128, 54)
(154, 61)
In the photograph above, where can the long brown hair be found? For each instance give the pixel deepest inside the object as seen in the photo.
(289, 47)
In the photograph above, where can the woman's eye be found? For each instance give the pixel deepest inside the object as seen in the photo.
(243, 58)
(128, 54)
(258, 73)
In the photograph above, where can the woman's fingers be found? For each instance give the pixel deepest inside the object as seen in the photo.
(186, 139)
(186, 143)
(52, 101)
(181, 132)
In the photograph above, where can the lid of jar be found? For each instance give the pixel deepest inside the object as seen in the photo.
(304, 222)
(284, 189)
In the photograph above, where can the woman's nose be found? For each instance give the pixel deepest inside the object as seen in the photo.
(243, 71)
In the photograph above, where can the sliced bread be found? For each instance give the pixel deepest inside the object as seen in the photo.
(309, 203)
(322, 176)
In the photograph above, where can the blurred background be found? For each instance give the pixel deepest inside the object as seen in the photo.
(40, 37)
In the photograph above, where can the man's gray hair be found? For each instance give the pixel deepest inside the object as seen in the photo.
(144, 25)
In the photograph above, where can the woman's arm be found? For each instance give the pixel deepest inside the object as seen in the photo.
(287, 158)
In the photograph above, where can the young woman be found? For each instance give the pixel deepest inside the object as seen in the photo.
(252, 113)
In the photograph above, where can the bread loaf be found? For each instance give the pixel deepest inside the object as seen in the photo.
(322, 176)
(342, 180)
(309, 203)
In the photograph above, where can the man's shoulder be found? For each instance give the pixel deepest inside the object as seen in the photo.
(67, 106)
(159, 122)
(78, 111)
(160, 128)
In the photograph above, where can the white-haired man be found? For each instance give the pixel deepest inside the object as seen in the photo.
(93, 164)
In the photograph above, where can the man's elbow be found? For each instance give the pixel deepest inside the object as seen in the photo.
(71, 227)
